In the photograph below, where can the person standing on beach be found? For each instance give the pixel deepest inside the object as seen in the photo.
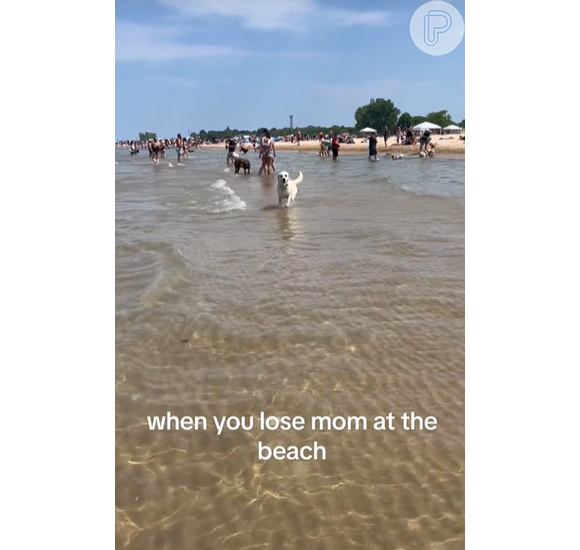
(298, 136)
(425, 140)
(179, 147)
(322, 145)
(335, 147)
(155, 150)
(231, 147)
(410, 138)
(373, 146)
(267, 153)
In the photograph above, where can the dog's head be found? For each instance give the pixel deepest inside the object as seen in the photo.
(283, 179)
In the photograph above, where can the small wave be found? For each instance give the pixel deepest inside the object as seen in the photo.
(227, 198)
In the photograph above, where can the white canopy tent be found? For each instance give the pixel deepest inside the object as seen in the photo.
(426, 126)
(368, 131)
(452, 129)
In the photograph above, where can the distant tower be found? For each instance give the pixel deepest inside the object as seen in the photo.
(291, 122)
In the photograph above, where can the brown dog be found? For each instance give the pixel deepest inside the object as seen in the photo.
(241, 163)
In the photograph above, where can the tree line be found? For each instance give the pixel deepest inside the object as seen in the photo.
(380, 114)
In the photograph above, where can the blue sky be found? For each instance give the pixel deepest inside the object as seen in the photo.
(206, 64)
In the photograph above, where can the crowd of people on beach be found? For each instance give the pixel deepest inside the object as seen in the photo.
(403, 136)
(265, 145)
(196, 142)
(139, 145)
(157, 148)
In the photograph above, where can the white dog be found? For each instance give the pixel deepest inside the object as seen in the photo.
(287, 189)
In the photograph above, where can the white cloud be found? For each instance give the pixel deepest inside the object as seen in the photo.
(135, 42)
(184, 82)
(347, 18)
(288, 15)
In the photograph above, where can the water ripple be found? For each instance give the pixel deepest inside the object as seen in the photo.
(349, 303)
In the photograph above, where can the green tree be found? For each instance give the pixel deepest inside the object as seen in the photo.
(405, 120)
(462, 124)
(146, 136)
(441, 118)
(275, 132)
(380, 114)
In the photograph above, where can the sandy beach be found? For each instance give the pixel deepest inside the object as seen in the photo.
(446, 145)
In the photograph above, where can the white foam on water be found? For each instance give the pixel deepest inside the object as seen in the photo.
(227, 200)
(170, 165)
(226, 169)
(116, 162)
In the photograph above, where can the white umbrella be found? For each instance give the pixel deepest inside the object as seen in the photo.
(426, 126)
(368, 131)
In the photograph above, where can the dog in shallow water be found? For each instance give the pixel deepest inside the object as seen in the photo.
(241, 163)
(287, 189)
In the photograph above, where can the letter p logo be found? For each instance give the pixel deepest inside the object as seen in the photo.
(437, 28)
(435, 23)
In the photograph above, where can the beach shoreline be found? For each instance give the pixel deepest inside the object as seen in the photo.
(445, 147)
